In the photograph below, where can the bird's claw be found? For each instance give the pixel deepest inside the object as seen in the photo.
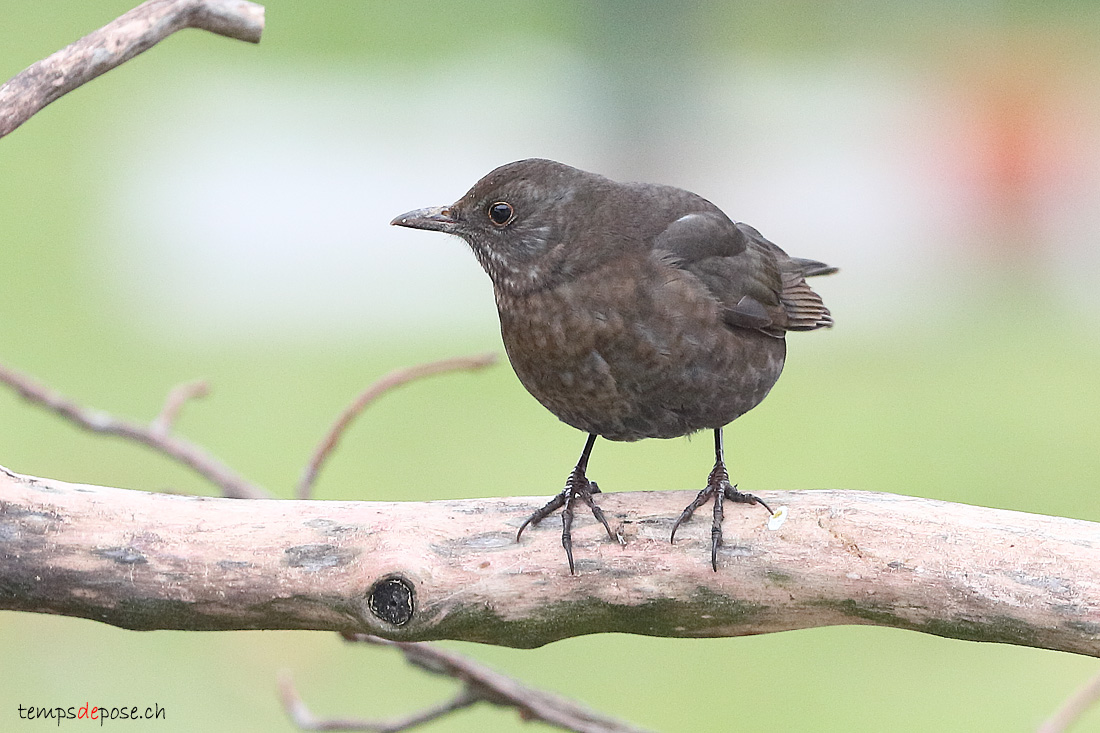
(576, 486)
(719, 489)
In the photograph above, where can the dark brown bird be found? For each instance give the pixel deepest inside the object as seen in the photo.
(631, 310)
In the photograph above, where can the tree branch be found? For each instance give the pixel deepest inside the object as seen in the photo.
(480, 684)
(156, 435)
(177, 397)
(452, 570)
(387, 383)
(117, 42)
(302, 717)
(1073, 708)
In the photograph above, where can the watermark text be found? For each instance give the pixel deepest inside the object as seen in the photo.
(92, 713)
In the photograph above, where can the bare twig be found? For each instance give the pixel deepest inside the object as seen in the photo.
(483, 683)
(391, 381)
(1073, 708)
(117, 42)
(154, 435)
(177, 397)
(301, 715)
(480, 684)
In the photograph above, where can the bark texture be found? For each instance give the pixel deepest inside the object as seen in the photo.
(116, 43)
(452, 570)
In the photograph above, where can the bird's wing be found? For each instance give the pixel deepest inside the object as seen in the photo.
(757, 285)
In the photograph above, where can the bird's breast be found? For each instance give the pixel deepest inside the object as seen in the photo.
(636, 350)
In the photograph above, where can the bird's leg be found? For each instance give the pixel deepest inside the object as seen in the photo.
(718, 488)
(576, 486)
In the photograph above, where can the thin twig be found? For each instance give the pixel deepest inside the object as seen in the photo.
(479, 684)
(117, 42)
(1074, 707)
(191, 455)
(177, 397)
(303, 718)
(498, 689)
(391, 381)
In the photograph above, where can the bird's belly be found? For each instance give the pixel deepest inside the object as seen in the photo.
(631, 368)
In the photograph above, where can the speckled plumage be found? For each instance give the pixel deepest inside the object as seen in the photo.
(630, 310)
(619, 352)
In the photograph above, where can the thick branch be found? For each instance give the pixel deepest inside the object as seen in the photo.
(117, 42)
(154, 561)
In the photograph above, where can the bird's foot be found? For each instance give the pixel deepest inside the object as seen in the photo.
(720, 489)
(577, 486)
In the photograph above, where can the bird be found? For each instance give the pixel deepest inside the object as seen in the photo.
(631, 311)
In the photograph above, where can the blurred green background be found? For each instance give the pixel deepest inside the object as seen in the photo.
(219, 210)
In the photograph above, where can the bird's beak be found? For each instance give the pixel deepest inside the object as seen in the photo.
(435, 218)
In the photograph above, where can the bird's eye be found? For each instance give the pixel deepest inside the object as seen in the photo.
(501, 213)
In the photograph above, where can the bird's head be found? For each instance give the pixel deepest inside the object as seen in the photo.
(518, 220)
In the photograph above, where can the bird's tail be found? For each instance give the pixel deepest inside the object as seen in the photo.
(804, 308)
(811, 268)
